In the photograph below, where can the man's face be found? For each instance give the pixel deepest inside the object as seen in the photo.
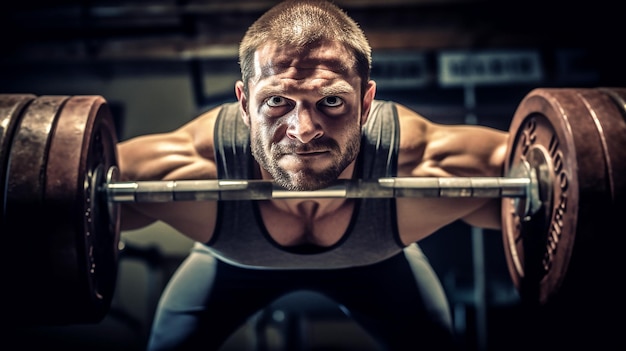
(304, 113)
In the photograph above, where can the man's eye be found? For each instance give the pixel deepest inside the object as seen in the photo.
(331, 101)
(276, 101)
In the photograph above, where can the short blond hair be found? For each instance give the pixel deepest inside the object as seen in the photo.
(300, 24)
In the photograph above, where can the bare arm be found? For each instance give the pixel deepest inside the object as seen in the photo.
(185, 153)
(435, 150)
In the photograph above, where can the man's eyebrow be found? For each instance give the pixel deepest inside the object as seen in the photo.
(338, 88)
(271, 90)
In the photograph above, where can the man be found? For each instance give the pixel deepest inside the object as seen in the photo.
(305, 116)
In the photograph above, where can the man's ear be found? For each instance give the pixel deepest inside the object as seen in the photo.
(368, 97)
(243, 102)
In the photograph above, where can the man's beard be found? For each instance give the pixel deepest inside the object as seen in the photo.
(306, 179)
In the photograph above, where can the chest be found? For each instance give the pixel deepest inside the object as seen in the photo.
(306, 223)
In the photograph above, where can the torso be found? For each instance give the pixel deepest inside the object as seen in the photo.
(320, 222)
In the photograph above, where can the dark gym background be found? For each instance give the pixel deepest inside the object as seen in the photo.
(160, 62)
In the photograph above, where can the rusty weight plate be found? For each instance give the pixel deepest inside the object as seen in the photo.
(11, 108)
(25, 234)
(612, 126)
(84, 224)
(609, 263)
(604, 205)
(554, 131)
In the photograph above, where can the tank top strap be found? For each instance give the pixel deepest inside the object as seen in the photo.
(380, 140)
(232, 144)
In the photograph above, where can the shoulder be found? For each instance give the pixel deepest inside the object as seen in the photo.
(417, 135)
(414, 129)
(408, 119)
(200, 131)
(411, 130)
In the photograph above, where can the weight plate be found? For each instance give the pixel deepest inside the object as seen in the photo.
(553, 130)
(85, 224)
(612, 126)
(11, 108)
(26, 239)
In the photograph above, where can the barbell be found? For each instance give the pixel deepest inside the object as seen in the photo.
(564, 176)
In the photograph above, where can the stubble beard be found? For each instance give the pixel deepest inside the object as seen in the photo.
(306, 179)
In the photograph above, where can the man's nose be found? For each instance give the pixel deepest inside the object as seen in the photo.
(303, 126)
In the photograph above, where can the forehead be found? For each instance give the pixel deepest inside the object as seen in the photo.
(272, 59)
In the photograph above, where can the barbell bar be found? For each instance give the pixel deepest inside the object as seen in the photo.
(564, 178)
(252, 189)
(524, 190)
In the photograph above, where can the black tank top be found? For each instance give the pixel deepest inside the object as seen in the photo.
(240, 236)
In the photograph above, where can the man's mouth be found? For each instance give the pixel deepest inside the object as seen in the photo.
(310, 153)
